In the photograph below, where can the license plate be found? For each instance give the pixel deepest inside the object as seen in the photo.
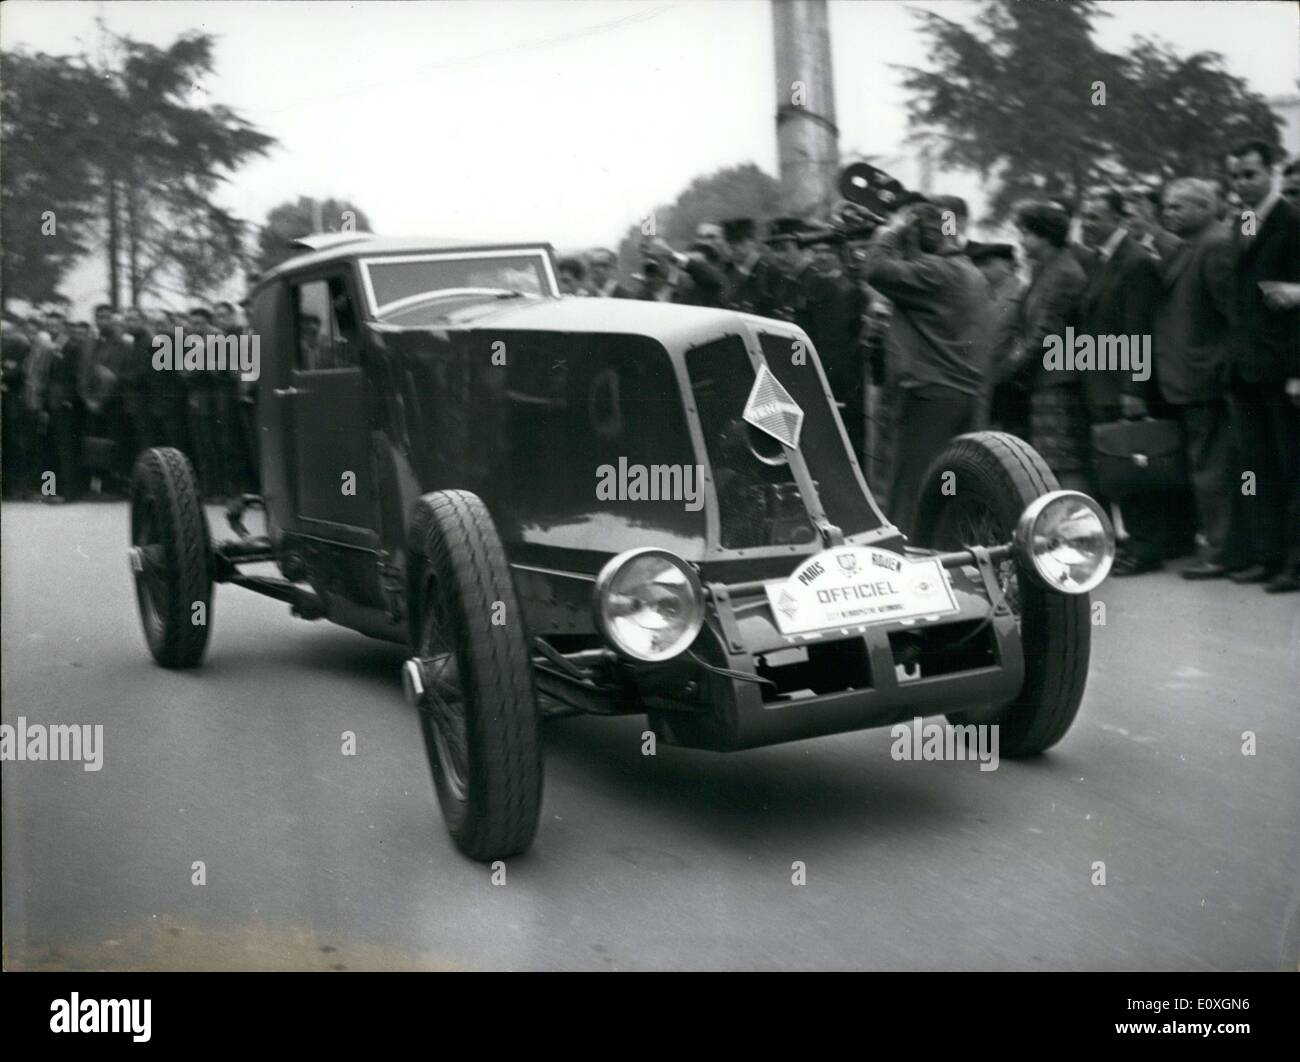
(851, 586)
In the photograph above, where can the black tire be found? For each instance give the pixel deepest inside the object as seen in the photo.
(169, 536)
(999, 475)
(479, 714)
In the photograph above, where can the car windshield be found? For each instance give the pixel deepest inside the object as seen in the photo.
(759, 500)
(430, 308)
(402, 283)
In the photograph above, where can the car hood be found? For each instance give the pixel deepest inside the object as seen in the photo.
(666, 322)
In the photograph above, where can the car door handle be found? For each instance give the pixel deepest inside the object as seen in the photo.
(286, 392)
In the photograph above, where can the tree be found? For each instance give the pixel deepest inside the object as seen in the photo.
(1184, 114)
(738, 191)
(288, 221)
(123, 154)
(162, 156)
(1027, 98)
(48, 189)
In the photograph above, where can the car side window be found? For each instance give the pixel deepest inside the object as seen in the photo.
(329, 333)
(313, 325)
(345, 326)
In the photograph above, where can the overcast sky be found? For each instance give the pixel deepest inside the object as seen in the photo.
(563, 121)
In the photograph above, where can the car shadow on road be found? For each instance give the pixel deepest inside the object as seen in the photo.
(839, 789)
(816, 792)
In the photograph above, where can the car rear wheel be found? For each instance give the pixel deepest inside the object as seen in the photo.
(471, 681)
(171, 558)
(994, 476)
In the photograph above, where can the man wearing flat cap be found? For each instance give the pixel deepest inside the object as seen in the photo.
(936, 339)
(830, 310)
(787, 261)
(745, 287)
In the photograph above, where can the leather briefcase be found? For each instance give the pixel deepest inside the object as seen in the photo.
(98, 454)
(1139, 456)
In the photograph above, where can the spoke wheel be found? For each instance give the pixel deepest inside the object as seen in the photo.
(151, 583)
(442, 709)
(477, 703)
(971, 521)
(170, 558)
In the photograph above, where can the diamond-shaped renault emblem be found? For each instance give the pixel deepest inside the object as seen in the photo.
(771, 409)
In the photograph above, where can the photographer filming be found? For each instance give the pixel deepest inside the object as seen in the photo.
(699, 278)
(936, 341)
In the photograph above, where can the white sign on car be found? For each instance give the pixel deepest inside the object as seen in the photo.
(852, 585)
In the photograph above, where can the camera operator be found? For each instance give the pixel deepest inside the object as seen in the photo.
(936, 344)
(699, 279)
(653, 283)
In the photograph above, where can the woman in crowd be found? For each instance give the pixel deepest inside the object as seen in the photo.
(1058, 423)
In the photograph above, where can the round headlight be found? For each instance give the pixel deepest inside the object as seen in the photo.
(649, 604)
(1067, 541)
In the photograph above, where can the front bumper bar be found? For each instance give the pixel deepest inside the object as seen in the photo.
(737, 713)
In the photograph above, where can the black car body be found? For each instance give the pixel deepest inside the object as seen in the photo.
(595, 431)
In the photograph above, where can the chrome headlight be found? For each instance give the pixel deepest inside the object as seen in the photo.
(1067, 541)
(649, 604)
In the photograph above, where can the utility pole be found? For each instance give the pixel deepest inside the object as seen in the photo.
(807, 138)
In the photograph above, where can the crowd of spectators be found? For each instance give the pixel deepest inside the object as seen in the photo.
(81, 399)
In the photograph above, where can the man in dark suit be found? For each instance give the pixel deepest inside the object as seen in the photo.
(68, 345)
(745, 288)
(571, 275)
(98, 385)
(938, 340)
(1119, 300)
(132, 384)
(830, 311)
(604, 275)
(696, 276)
(1143, 221)
(1291, 182)
(787, 262)
(1191, 353)
(1265, 366)
(16, 427)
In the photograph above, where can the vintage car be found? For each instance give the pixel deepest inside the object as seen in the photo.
(577, 505)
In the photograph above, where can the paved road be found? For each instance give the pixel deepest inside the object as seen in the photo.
(318, 860)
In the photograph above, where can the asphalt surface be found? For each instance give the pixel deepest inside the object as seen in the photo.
(317, 860)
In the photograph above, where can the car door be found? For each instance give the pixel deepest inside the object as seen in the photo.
(333, 481)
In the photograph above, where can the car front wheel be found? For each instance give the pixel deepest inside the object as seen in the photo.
(171, 558)
(994, 476)
(471, 681)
